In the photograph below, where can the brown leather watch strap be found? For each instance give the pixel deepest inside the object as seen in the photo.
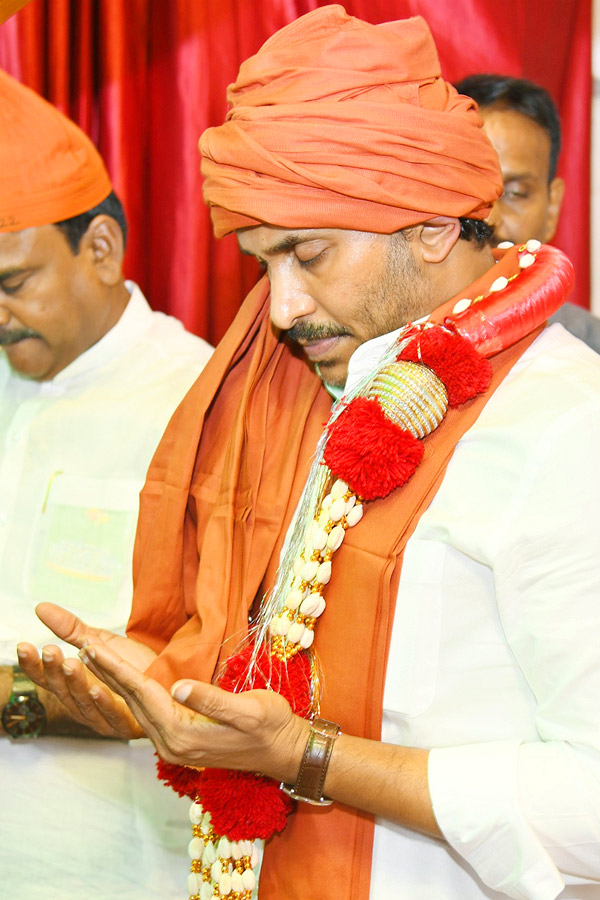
(313, 768)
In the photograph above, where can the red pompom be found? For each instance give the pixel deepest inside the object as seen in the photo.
(243, 805)
(369, 452)
(291, 679)
(454, 360)
(184, 780)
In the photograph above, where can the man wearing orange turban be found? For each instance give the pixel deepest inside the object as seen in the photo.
(426, 549)
(89, 377)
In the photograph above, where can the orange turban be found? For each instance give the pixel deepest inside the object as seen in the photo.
(338, 123)
(49, 169)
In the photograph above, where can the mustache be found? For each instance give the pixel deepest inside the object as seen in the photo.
(306, 333)
(17, 334)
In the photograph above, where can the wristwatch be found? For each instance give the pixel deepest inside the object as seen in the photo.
(313, 768)
(24, 716)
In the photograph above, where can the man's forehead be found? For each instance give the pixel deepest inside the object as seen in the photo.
(16, 246)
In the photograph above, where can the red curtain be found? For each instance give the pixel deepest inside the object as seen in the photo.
(145, 77)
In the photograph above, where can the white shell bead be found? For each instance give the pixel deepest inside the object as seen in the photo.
(323, 575)
(309, 569)
(462, 305)
(310, 604)
(319, 535)
(336, 536)
(224, 848)
(294, 599)
(237, 884)
(327, 501)
(320, 608)
(298, 563)
(532, 245)
(225, 883)
(216, 871)
(323, 517)
(210, 854)
(206, 823)
(526, 260)
(295, 632)
(247, 848)
(195, 848)
(196, 813)
(499, 284)
(338, 489)
(307, 638)
(274, 626)
(253, 858)
(206, 891)
(194, 883)
(505, 245)
(236, 852)
(350, 503)
(283, 626)
(248, 880)
(337, 510)
(355, 515)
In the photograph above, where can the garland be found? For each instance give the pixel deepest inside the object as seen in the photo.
(372, 445)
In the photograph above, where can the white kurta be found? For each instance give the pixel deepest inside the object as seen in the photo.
(495, 653)
(85, 818)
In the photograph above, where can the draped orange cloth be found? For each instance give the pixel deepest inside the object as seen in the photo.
(49, 169)
(220, 493)
(338, 123)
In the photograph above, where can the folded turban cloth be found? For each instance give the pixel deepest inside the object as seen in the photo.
(9, 7)
(49, 169)
(336, 123)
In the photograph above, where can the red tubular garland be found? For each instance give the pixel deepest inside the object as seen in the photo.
(504, 317)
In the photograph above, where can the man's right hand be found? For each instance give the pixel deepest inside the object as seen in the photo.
(85, 698)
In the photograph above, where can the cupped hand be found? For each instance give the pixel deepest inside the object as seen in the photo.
(200, 724)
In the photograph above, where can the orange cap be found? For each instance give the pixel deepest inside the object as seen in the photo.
(49, 169)
(337, 123)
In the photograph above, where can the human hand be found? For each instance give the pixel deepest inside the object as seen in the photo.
(200, 724)
(84, 697)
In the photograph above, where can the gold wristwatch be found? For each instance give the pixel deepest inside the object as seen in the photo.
(24, 716)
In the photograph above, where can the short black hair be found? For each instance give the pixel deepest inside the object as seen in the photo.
(525, 97)
(75, 227)
(476, 230)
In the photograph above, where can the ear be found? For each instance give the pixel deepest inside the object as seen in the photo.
(103, 244)
(556, 192)
(435, 238)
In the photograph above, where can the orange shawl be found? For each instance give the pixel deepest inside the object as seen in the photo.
(220, 493)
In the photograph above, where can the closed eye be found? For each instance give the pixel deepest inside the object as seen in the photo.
(13, 284)
(309, 253)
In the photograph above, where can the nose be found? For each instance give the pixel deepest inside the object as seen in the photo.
(290, 299)
(501, 224)
(495, 217)
(4, 315)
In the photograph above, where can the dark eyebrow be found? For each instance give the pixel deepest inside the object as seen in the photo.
(517, 176)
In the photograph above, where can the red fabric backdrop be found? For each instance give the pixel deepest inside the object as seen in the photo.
(145, 77)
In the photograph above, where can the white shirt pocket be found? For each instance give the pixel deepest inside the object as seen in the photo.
(81, 547)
